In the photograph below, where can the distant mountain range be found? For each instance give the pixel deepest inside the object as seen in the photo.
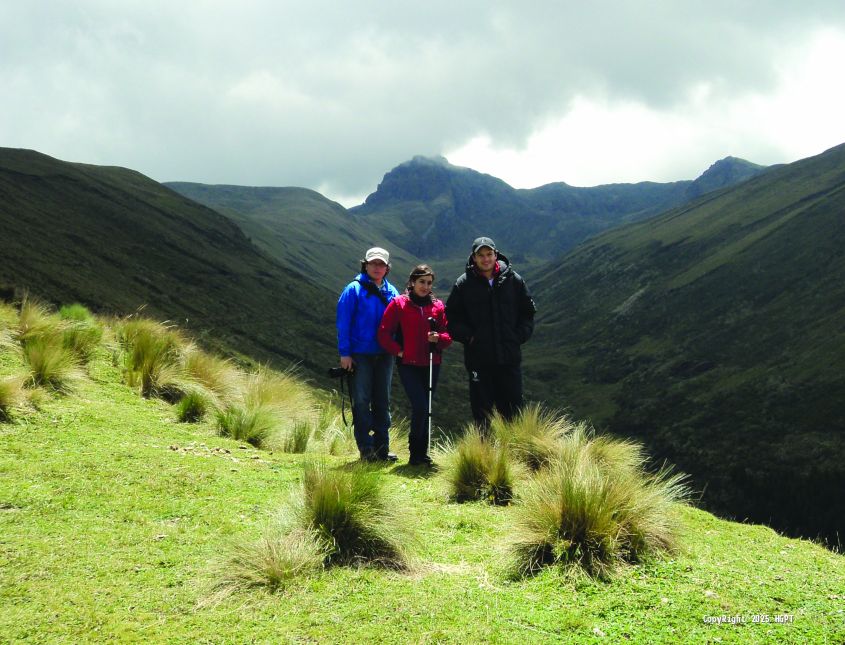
(426, 209)
(432, 208)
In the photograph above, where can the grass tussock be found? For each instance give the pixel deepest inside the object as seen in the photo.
(353, 517)
(217, 375)
(51, 364)
(297, 438)
(478, 468)
(252, 423)
(12, 396)
(534, 436)
(596, 508)
(82, 333)
(272, 562)
(266, 404)
(193, 406)
(36, 321)
(153, 357)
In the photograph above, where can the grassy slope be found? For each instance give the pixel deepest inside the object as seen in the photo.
(714, 333)
(300, 229)
(109, 533)
(116, 240)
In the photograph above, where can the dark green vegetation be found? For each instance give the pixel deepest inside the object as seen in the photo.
(116, 520)
(715, 333)
(116, 240)
(302, 230)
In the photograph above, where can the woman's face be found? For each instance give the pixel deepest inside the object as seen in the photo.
(422, 286)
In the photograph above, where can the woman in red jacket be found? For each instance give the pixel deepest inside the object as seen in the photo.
(406, 333)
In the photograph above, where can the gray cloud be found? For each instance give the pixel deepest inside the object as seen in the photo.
(335, 94)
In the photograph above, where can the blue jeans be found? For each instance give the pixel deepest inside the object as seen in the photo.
(415, 381)
(371, 402)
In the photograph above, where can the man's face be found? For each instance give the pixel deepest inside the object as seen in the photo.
(485, 259)
(376, 269)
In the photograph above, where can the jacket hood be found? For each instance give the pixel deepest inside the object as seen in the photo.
(504, 264)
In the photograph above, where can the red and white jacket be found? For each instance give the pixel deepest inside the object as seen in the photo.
(403, 314)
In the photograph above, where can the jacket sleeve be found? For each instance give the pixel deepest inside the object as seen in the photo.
(527, 309)
(345, 313)
(443, 329)
(387, 328)
(458, 324)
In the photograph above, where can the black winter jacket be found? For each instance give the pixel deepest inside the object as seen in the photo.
(491, 322)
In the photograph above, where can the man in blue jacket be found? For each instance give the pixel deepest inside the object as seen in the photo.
(359, 311)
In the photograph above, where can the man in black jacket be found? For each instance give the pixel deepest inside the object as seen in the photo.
(491, 312)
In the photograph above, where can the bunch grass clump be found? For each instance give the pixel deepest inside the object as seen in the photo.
(297, 438)
(595, 508)
(193, 406)
(220, 378)
(533, 436)
(253, 423)
(266, 402)
(36, 321)
(51, 364)
(12, 395)
(81, 333)
(353, 517)
(153, 357)
(272, 562)
(480, 469)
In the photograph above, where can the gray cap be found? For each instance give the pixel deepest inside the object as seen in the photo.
(377, 253)
(481, 242)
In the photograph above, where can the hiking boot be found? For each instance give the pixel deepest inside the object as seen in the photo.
(375, 457)
(421, 461)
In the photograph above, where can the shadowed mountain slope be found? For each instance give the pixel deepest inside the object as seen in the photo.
(716, 333)
(116, 240)
(434, 209)
(300, 229)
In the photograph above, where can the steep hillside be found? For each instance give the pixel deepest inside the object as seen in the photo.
(299, 228)
(116, 240)
(716, 333)
(433, 208)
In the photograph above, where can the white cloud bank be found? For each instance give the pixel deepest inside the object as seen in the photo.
(332, 95)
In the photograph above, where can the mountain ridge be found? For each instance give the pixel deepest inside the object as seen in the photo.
(432, 207)
(713, 333)
(116, 240)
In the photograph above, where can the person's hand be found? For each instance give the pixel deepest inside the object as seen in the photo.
(347, 363)
(401, 354)
(433, 337)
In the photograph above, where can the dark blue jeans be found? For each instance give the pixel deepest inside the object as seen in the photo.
(415, 381)
(370, 390)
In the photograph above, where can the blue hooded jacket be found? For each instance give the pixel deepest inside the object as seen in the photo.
(359, 315)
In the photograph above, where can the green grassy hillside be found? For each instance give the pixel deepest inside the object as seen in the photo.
(300, 229)
(116, 240)
(118, 522)
(715, 333)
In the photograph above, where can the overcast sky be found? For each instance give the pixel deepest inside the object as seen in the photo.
(332, 95)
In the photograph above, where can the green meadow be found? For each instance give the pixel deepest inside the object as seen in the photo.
(119, 523)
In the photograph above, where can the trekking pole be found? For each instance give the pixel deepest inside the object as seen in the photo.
(432, 324)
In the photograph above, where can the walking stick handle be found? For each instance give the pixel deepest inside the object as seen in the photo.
(432, 326)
